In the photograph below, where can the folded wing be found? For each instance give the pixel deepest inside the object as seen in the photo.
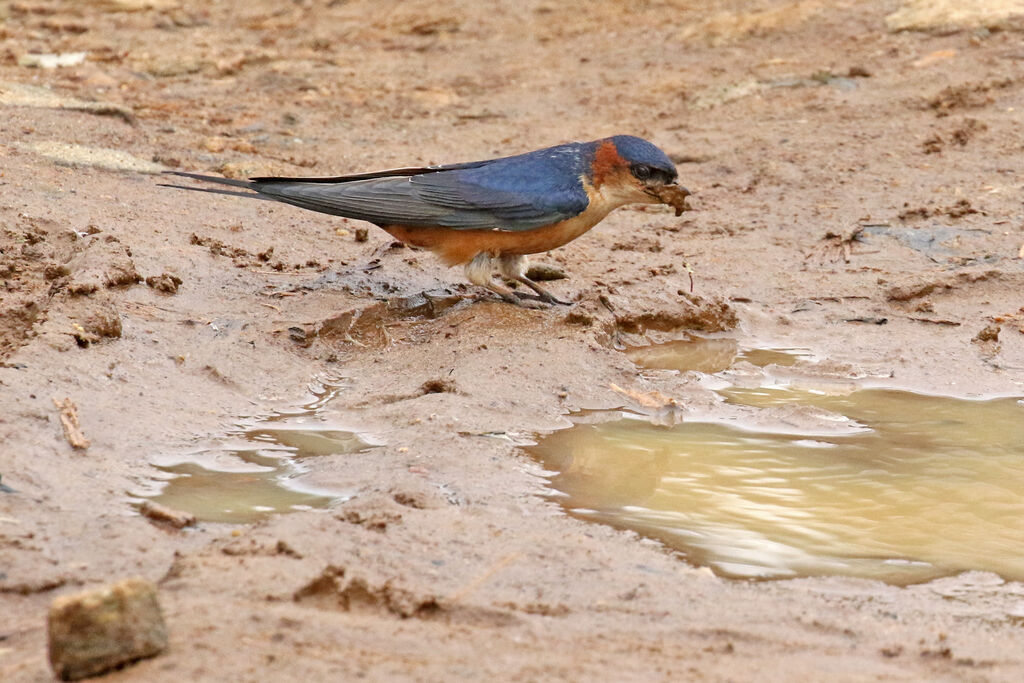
(513, 194)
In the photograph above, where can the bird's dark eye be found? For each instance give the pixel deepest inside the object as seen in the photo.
(641, 171)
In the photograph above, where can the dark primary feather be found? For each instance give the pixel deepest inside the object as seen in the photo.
(522, 192)
(213, 190)
(409, 171)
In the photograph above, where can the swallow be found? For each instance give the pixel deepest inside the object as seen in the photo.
(487, 216)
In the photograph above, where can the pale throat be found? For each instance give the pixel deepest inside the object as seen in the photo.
(610, 195)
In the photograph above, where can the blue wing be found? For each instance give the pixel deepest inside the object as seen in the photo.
(514, 193)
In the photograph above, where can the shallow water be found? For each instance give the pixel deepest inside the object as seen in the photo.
(930, 486)
(709, 355)
(256, 470)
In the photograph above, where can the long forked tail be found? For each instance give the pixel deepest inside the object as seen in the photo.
(247, 184)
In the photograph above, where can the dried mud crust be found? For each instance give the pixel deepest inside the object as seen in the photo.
(841, 175)
(55, 284)
(60, 284)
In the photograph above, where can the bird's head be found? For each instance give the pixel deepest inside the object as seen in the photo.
(629, 170)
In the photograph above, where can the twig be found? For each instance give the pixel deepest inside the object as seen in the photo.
(934, 321)
(69, 420)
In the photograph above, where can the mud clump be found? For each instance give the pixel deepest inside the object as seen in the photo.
(966, 96)
(961, 208)
(243, 258)
(705, 315)
(376, 513)
(438, 386)
(332, 589)
(967, 130)
(218, 248)
(94, 321)
(673, 195)
(17, 316)
(989, 333)
(165, 282)
(368, 326)
(32, 254)
(933, 144)
(103, 263)
(579, 318)
(52, 278)
(98, 630)
(417, 495)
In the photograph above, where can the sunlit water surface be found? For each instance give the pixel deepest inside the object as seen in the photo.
(256, 470)
(931, 486)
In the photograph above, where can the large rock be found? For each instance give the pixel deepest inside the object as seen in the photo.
(98, 630)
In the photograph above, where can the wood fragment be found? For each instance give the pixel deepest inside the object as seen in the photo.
(934, 321)
(69, 420)
(653, 399)
(165, 515)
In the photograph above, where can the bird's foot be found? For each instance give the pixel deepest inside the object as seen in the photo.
(540, 301)
(554, 300)
(517, 298)
(542, 294)
(527, 301)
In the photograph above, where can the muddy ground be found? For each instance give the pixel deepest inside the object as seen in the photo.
(843, 174)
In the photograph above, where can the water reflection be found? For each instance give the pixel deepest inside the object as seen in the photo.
(934, 486)
(256, 470)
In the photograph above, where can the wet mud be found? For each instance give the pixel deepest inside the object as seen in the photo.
(856, 197)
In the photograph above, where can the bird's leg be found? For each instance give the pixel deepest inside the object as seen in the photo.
(513, 266)
(480, 271)
(544, 294)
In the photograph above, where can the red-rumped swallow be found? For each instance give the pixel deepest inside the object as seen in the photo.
(487, 215)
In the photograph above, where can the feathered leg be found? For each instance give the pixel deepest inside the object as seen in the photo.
(513, 266)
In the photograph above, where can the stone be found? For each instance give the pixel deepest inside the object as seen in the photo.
(101, 629)
(951, 15)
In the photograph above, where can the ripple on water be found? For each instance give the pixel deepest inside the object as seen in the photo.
(256, 470)
(933, 486)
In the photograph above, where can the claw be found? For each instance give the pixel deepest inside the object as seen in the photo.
(543, 294)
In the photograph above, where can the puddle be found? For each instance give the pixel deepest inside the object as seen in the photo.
(930, 486)
(256, 470)
(709, 355)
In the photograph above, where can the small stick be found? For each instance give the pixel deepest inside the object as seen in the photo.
(69, 420)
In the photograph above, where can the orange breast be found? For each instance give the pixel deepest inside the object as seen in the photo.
(460, 246)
